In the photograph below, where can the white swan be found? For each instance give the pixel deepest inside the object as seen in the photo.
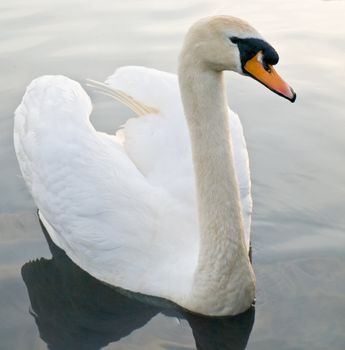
(154, 209)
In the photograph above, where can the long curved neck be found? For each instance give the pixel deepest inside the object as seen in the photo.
(220, 218)
(205, 105)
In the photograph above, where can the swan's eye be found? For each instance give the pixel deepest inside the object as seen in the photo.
(234, 39)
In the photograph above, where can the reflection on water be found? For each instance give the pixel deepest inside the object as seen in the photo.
(75, 311)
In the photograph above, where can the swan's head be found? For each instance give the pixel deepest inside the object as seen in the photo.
(229, 43)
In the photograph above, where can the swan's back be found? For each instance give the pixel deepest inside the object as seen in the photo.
(123, 208)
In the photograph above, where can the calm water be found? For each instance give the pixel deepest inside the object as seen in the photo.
(298, 171)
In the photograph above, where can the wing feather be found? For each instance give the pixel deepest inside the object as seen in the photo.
(120, 210)
(94, 201)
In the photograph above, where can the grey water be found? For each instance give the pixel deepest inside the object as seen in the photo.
(297, 165)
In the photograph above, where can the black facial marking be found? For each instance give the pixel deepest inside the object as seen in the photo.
(249, 47)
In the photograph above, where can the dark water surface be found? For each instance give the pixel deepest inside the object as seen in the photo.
(298, 172)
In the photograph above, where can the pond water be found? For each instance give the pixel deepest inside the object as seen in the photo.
(297, 162)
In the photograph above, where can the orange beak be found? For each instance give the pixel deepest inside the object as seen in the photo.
(268, 77)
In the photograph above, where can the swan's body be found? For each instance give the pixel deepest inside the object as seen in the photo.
(155, 209)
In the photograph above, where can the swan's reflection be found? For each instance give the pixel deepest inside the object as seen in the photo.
(75, 311)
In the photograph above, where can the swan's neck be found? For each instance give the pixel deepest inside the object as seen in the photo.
(222, 246)
(217, 189)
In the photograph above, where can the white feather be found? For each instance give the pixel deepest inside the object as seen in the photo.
(123, 208)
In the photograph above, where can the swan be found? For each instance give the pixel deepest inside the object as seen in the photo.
(163, 207)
